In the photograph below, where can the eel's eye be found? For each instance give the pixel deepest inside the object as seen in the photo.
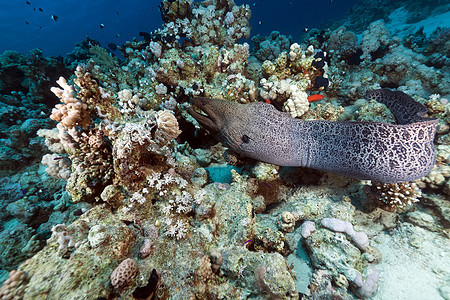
(245, 139)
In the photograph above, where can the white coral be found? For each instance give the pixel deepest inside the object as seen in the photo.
(156, 49)
(57, 166)
(374, 37)
(127, 101)
(297, 104)
(161, 89)
(167, 126)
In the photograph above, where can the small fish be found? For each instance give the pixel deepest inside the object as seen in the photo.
(78, 212)
(268, 101)
(117, 12)
(27, 23)
(28, 2)
(306, 29)
(315, 97)
(147, 37)
(112, 46)
(40, 9)
(118, 35)
(254, 4)
(54, 17)
(260, 22)
(246, 242)
(102, 26)
(58, 158)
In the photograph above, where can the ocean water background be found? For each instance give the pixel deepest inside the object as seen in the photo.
(123, 20)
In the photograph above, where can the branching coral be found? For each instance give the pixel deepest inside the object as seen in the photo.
(288, 92)
(269, 48)
(393, 195)
(14, 286)
(89, 151)
(73, 112)
(57, 166)
(93, 164)
(376, 36)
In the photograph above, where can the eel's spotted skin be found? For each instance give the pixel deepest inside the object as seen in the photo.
(363, 150)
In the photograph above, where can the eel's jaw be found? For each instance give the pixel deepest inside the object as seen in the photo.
(209, 120)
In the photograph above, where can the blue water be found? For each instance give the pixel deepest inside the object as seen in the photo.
(76, 19)
(291, 17)
(123, 20)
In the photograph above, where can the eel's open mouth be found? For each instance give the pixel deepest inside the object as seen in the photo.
(202, 111)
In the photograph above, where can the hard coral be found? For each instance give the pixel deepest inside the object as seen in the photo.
(124, 274)
(206, 22)
(376, 36)
(73, 112)
(392, 196)
(167, 126)
(14, 287)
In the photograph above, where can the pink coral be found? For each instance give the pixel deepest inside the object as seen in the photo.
(73, 112)
(124, 274)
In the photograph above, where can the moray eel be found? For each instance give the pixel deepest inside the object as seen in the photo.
(363, 150)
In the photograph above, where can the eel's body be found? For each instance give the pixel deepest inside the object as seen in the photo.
(363, 150)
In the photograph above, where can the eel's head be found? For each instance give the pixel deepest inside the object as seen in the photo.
(225, 120)
(209, 116)
(255, 130)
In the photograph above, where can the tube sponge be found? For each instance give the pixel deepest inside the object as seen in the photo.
(360, 239)
(368, 288)
(307, 228)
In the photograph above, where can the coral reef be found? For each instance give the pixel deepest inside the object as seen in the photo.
(134, 200)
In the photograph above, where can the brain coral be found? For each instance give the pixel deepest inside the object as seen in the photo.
(124, 274)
